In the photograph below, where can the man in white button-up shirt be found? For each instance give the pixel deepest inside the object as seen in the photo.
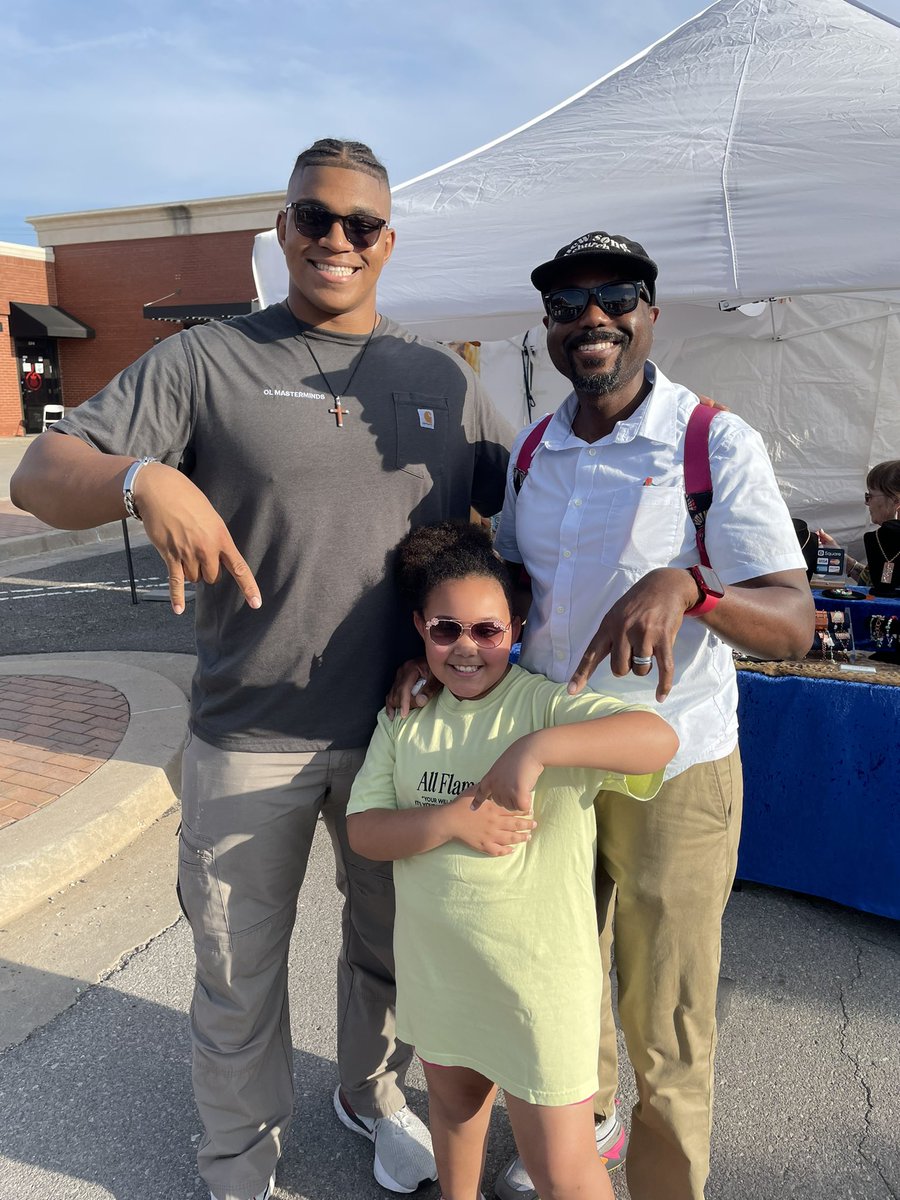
(603, 530)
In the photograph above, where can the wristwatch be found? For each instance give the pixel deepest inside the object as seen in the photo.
(710, 587)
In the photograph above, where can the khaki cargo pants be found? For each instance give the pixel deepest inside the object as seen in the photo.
(247, 826)
(664, 874)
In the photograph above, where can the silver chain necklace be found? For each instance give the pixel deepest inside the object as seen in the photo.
(339, 412)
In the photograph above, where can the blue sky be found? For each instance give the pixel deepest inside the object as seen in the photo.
(130, 103)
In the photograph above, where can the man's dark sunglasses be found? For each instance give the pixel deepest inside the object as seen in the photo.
(616, 299)
(314, 221)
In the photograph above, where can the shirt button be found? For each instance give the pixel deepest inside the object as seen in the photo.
(577, 503)
(560, 656)
(592, 453)
(560, 608)
(567, 553)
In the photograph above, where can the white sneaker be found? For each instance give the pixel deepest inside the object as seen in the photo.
(265, 1194)
(403, 1154)
(514, 1182)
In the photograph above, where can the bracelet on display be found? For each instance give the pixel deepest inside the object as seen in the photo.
(821, 632)
(877, 628)
(891, 629)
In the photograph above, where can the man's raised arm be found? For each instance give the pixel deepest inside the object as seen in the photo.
(70, 485)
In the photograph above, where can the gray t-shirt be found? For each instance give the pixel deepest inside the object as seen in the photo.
(315, 509)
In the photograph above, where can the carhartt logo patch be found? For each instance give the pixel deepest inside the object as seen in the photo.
(426, 418)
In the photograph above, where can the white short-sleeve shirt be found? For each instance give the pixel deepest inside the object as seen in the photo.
(592, 519)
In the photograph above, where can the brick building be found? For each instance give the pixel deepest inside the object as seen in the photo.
(104, 286)
(29, 366)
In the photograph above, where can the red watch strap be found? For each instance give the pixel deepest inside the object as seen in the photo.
(707, 601)
(707, 604)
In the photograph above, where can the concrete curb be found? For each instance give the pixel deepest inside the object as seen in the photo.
(56, 539)
(95, 819)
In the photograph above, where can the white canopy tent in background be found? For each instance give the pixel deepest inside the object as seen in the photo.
(755, 152)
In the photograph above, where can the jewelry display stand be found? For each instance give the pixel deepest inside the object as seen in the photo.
(884, 630)
(834, 640)
(809, 544)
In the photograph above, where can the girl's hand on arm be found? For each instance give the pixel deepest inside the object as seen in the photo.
(486, 827)
(388, 834)
(511, 780)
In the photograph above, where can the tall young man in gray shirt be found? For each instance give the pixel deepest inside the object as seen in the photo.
(310, 437)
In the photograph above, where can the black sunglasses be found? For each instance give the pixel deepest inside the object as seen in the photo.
(616, 299)
(314, 221)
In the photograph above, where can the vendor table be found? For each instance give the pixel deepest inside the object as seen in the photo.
(861, 608)
(821, 785)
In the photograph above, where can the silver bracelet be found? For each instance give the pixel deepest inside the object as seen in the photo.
(128, 486)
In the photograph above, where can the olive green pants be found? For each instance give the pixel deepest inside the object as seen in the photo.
(248, 822)
(664, 874)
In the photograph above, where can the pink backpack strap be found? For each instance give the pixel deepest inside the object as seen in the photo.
(697, 477)
(527, 449)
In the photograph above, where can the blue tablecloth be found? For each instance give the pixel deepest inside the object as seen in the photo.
(821, 788)
(861, 609)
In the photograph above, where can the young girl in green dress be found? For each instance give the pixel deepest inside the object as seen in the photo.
(484, 800)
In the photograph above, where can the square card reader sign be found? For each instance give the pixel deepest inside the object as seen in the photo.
(829, 561)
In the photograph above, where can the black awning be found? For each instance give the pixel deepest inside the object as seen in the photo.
(44, 320)
(198, 312)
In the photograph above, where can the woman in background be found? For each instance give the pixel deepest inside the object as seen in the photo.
(883, 501)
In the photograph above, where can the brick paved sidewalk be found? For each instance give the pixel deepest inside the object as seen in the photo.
(15, 523)
(55, 731)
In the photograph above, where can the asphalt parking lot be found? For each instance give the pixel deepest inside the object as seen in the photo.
(53, 604)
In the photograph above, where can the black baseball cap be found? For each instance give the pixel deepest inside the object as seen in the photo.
(610, 250)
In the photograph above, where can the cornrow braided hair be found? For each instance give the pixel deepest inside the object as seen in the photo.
(335, 152)
(449, 550)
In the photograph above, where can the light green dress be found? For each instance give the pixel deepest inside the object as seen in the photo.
(497, 963)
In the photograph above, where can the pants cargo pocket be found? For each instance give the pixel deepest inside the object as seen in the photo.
(199, 890)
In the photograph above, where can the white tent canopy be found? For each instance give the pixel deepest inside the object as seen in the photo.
(755, 152)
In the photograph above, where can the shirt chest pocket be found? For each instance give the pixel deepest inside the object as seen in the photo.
(421, 424)
(645, 527)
